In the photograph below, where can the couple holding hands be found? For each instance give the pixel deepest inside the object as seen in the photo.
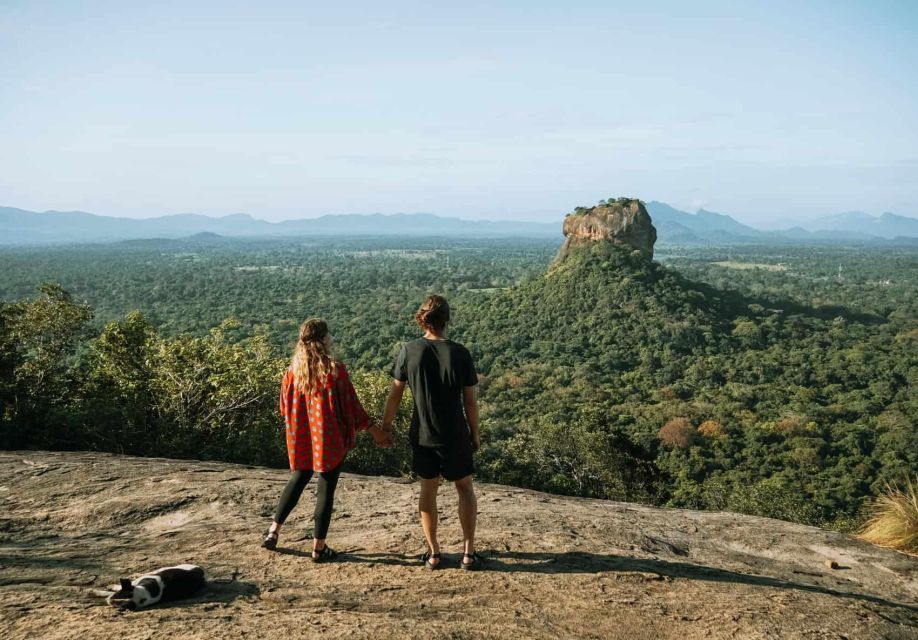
(323, 414)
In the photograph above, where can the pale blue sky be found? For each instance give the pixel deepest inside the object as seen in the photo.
(515, 110)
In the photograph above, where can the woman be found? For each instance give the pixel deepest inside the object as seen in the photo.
(322, 416)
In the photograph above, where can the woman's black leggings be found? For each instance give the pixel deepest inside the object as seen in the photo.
(325, 498)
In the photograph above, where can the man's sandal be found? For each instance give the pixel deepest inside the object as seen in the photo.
(270, 541)
(472, 565)
(427, 557)
(326, 554)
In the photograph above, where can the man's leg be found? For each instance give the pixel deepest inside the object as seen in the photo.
(427, 505)
(468, 514)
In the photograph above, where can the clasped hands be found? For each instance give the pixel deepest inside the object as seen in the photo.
(383, 438)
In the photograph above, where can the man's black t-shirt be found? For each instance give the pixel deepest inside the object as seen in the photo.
(437, 371)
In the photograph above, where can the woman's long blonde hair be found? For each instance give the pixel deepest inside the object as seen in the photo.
(311, 363)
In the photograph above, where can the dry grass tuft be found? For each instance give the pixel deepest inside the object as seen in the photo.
(893, 519)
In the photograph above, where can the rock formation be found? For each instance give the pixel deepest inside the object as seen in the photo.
(555, 567)
(623, 221)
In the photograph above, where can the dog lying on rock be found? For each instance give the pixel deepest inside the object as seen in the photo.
(163, 585)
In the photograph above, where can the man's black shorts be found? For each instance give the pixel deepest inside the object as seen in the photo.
(451, 463)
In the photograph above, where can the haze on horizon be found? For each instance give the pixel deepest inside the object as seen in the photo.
(518, 111)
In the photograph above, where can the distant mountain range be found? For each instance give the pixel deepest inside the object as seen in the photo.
(707, 227)
(20, 227)
(886, 225)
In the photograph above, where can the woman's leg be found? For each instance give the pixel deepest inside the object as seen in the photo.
(289, 497)
(325, 504)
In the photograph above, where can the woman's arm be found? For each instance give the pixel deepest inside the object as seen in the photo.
(285, 389)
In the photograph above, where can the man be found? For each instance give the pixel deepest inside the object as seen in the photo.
(444, 422)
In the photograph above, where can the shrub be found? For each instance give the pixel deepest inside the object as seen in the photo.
(678, 433)
(583, 455)
(217, 399)
(893, 519)
(373, 389)
(774, 497)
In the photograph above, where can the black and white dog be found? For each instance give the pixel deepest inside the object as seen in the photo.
(162, 585)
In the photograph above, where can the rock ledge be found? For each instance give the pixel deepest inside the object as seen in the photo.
(556, 567)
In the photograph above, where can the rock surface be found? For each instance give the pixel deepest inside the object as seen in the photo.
(623, 221)
(556, 567)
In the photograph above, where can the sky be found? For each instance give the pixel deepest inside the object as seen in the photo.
(768, 111)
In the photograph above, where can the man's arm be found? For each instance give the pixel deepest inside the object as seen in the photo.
(396, 389)
(470, 402)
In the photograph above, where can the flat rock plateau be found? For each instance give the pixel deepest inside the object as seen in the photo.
(556, 567)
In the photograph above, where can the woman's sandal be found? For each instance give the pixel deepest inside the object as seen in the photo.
(270, 541)
(427, 557)
(326, 554)
(474, 564)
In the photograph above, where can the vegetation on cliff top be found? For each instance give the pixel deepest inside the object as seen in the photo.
(608, 202)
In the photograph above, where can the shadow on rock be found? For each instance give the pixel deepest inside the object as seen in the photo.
(24, 569)
(391, 559)
(584, 562)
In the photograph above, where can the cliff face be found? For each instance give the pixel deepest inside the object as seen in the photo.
(556, 567)
(624, 221)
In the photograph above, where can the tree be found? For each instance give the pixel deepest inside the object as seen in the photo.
(712, 429)
(217, 399)
(678, 433)
(118, 403)
(37, 345)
